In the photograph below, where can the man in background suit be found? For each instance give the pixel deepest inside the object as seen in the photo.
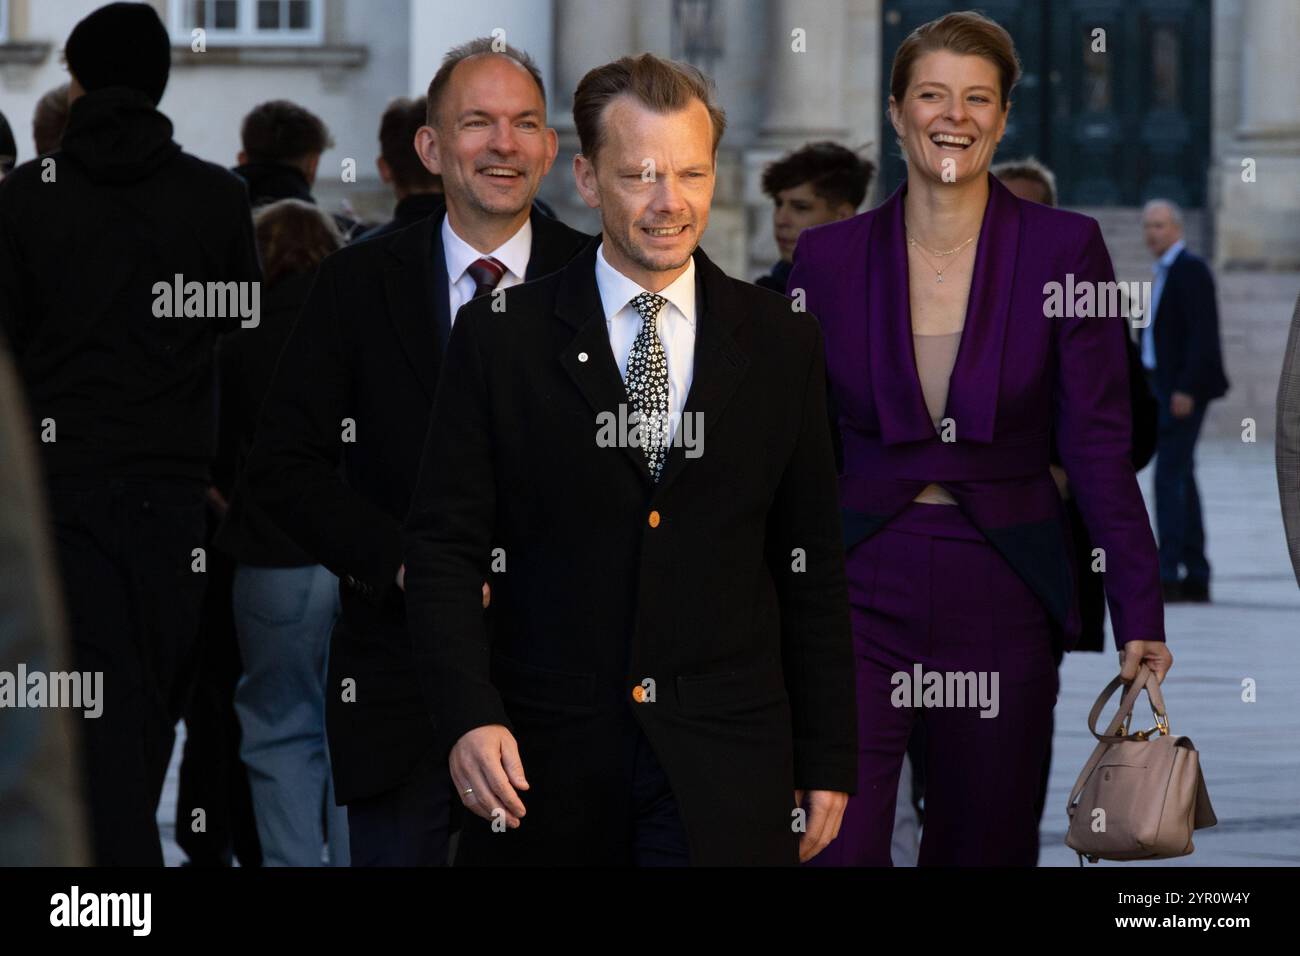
(1183, 359)
(667, 669)
(355, 384)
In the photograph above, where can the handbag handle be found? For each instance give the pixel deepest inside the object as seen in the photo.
(1146, 679)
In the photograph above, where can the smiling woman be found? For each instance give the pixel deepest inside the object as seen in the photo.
(950, 379)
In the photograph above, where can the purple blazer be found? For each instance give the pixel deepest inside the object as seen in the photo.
(1019, 376)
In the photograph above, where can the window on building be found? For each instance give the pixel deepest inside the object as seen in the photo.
(248, 21)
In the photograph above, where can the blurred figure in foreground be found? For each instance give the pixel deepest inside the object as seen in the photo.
(117, 362)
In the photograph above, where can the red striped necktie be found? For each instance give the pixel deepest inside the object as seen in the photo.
(486, 273)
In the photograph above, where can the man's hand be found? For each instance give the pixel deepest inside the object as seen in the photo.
(825, 811)
(1155, 654)
(1181, 404)
(485, 762)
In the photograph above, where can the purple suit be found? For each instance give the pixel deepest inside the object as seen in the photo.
(986, 584)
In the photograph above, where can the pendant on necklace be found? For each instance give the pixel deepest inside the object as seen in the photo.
(940, 279)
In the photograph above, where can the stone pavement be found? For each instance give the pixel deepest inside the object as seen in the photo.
(1250, 752)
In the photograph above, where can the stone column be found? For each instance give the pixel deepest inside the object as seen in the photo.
(804, 66)
(805, 72)
(586, 34)
(1256, 220)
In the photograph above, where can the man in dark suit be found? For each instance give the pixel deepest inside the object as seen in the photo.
(1181, 352)
(666, 674)
(355, 384)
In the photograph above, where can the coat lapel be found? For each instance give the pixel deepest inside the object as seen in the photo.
(977, 374)
(720, 365)
(973, 385)
(415, 284)
(719, 362)
(588, 358)
(895, 386)
(552, 248)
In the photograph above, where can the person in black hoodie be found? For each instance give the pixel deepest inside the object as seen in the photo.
(285, 604)
(282, 145)
(97, 241)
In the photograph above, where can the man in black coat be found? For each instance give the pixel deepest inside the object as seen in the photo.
(97, 240)
(643, 472)
(355, 384)
(1184, 362)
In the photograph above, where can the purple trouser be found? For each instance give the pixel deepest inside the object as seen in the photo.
(929, 590)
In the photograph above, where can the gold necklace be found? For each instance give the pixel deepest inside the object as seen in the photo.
(953, 251)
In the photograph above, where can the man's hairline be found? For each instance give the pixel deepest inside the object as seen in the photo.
(632, 97)
(541, 92)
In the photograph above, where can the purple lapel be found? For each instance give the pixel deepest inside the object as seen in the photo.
(973, 387)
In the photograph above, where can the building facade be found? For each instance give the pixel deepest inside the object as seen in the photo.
(1126, 99)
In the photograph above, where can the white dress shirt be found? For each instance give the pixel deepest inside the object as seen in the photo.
(675, 325)
(460, 255)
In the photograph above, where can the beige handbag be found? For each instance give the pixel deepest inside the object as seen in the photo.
(1137, 797)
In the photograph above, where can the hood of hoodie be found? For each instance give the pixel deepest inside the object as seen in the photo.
(117, 135)
(271, 182)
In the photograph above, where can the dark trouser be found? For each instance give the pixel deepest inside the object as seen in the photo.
(929, 590)
(656, 836)
(405, 826)
(212, 777)
(125, 555)
(1178, 503)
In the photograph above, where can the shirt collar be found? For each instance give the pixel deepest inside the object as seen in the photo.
(1172, 253)
(617, 290)
(513, 253)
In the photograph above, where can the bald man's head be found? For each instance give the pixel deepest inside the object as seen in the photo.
(1162, 225)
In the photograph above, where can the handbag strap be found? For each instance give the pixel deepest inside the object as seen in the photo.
(1145, 679)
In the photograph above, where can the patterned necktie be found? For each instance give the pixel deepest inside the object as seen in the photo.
(647, 382)
(486, 273)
